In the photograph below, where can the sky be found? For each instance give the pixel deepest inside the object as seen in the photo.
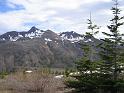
(55, 15)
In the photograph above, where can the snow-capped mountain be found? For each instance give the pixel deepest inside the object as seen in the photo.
(37, 33)
(14, 35)
(71, 36)
(38, 48)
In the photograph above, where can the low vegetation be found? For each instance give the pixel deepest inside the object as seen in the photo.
(36, 82)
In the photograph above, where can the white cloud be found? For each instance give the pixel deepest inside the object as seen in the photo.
(11, 21)
(65, 4)
(15, 20)
(11, 5)
(48, 12)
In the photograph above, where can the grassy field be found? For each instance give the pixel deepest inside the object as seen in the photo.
(36, 82)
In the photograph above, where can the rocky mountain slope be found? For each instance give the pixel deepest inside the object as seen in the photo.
(38, 48)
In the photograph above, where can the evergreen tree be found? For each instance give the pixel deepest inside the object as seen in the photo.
(105, 75)
(86, 77)
(112, 53)
(111, 44)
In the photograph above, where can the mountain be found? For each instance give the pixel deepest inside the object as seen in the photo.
(71, 36)
(14, 35)
(35, 32)
(37, 48)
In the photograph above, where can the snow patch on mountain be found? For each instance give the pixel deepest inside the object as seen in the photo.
(37, 33)
(71, 36)
(47, 35)
(47, 39)
(20, 35)
(13, 39)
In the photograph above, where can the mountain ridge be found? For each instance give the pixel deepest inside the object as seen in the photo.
(37, 48)
(37, 33)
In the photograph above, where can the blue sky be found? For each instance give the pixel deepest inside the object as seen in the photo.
(57, 15)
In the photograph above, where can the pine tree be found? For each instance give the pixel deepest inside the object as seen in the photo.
(105, 75)
(111, 45)
(86, 77)
(112, 53)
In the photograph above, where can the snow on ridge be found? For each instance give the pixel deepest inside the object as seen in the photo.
(47, 39)
(76, 39)
(3, 39)
(71, 36)
(72, 39)
(37, 33)
(13, 39)
(20, 35)
(30, 35)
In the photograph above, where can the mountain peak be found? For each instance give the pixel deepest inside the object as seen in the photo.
(33, 29)
(71, 36)
(37, 33)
